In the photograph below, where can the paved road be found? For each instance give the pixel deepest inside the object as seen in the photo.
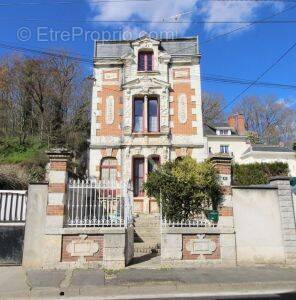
(280, 283)
(286, 296)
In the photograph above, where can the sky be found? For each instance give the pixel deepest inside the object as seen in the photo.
(73, 25)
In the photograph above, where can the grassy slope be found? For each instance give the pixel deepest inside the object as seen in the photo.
(20, 164)
(12, 152)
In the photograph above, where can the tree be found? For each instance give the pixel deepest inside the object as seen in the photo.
(272, 120)
(44, 100)
(184, 188)
(212, 107)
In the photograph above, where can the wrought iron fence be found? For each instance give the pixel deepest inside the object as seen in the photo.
(98, 204)
(199, 220)
(194, 222)
(13, 205)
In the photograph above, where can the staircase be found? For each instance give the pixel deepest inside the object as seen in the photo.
(147, 234)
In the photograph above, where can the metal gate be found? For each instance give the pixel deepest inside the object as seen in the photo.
(13, 206)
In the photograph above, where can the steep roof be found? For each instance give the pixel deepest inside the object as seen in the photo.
(210, 129)
(174, 47)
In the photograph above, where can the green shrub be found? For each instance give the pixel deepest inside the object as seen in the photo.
(258, 173)
(184, 188)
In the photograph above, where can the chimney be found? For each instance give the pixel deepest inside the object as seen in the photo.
(237, 121)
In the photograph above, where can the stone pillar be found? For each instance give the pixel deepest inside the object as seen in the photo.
(57, 190)
(287, 215)
(34, 231)
(222, 164)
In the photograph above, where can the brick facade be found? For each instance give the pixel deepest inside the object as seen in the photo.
(57, 188)
(55, 210)
(226, 211)
(179, 128)
(113, 129)
(58, 166)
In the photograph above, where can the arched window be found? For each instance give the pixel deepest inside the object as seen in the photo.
(145, 61)
(108, 169)
(153, 163)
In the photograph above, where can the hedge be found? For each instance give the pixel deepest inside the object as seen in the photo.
(258, 173)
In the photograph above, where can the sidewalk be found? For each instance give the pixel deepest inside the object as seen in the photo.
(137, 283)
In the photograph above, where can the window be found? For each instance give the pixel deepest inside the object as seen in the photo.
(108, 169)
(153, 163)
(224, 131)
(224, 149)
(145, 115)
(210, 149)
(145, 61)
(152, 115)
(138, 176)
(138, 115)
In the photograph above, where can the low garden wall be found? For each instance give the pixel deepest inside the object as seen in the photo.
(51, 244)
(258, 225)
(264, 220)
(198, 246)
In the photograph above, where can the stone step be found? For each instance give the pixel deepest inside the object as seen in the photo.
(149, 240)
(146, 248)
(142, 223)
(147, 218)
(147, 231)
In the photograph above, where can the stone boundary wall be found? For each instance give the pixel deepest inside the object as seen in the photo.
(198, 246)
(49, 244)
(287, 215)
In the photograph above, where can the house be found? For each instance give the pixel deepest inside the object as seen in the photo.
(269, 154)
(230, 138)
(227, 138)
(146, 109)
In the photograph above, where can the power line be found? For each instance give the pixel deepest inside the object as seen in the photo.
(69, 2)
(237, 29)
(246, 26)
(240, 81)
(151, 22)
(205, 77)
(286, 52)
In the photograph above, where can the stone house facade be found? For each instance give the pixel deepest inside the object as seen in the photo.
(146, 109)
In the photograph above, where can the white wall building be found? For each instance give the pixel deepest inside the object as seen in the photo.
(230, 138)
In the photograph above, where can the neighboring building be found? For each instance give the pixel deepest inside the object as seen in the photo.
(227, 138)
(230, 138)
(146, 109)
(267, 154)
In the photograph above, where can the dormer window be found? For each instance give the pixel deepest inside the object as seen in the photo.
(223, 132)
(145, 61)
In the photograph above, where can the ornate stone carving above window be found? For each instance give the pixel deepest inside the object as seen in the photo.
(182, 108)
(109, 115)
